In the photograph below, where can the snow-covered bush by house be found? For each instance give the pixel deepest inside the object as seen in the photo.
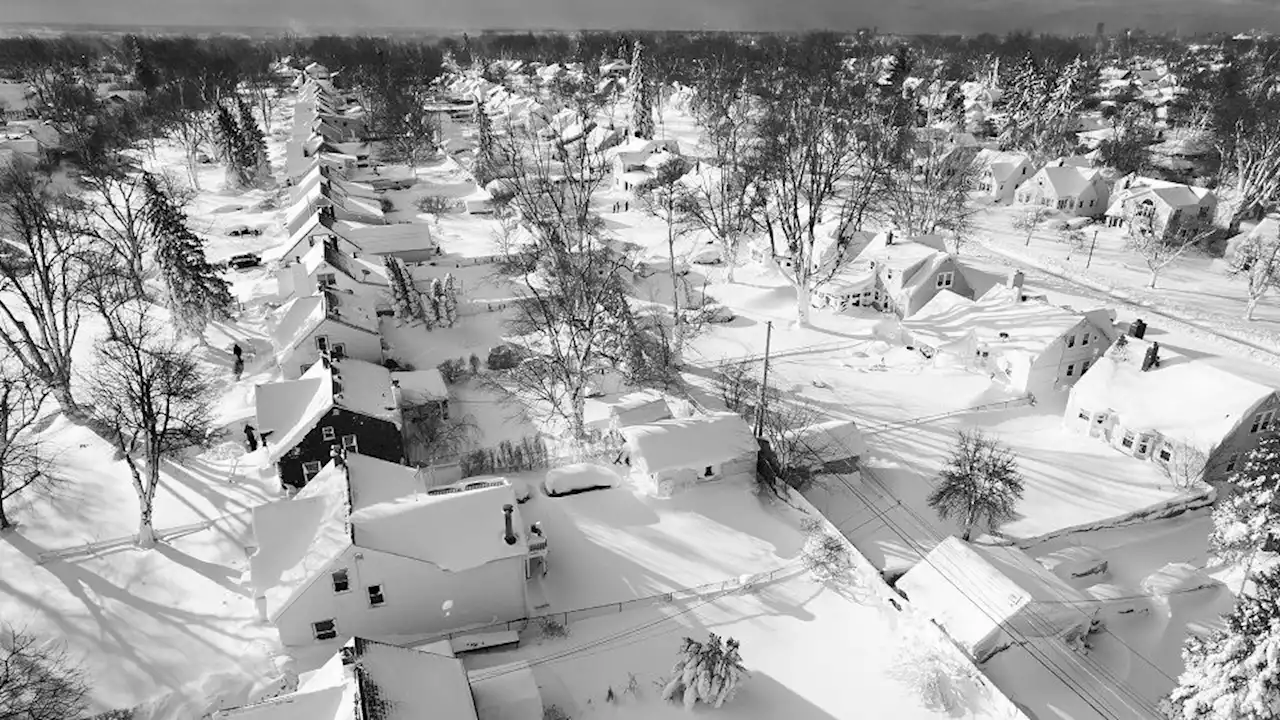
(941, 679)
(579, 477)
(1244, 522)
(405, 298)
(503, 357)
(706, 672)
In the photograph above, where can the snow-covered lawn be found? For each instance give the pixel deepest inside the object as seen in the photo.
(814, 653)
(609, 546)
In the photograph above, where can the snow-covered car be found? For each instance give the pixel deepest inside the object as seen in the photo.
(707, 254)
(244, 261)
(242, 231)
(578, 477)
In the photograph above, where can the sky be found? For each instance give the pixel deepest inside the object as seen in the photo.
(900, 16)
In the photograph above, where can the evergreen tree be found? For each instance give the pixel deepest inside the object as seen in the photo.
(254, 145)
(638, 85)
(197, 293)
(1243, 523)
(232, 148)
(434, 296)
(1234, 673)
(450, 299)
(708, 672)
(485, 166)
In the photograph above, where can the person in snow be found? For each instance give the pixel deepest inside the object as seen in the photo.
(237, 366)
(250, 438)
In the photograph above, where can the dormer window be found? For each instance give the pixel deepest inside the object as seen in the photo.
(946, 279)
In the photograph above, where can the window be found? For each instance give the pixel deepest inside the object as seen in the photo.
(1091, 202)
(339, 350)
(341, 582)
(1262, 421)
(327, 279)
(1144, 444)
(325, 629)
(327, 433)
(1127, 441)
(1147, 209)
(309, 469)
(349, 443)
(946, 279)
(1071, 370)
(303, 368)
(322, 343)
(1204, 212)
(1071, 341)
(1084, 338)
(1101, 419)
(1084, 366)
(711, 470)
(376, 598)
(1084, 416)
(1165, 454)
(1232, 462)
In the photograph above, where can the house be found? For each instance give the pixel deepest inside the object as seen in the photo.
(669, 455)
(318, 226)
(910, 271)
(631, 160)
(1030, 346)
(408, 241)
(350, 555)
(1002, 173)
(1073, 190)
(370, 679)
(337, 404)
(326, 265)
(330, 320)
(1175, 211)
(1188, 415)
(636, 408)
(988, 598)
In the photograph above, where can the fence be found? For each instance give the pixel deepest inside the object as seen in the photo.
(90, 549)
(565, 617)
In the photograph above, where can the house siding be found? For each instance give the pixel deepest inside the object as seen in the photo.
(294, 280)
(668, 482)
(359, 344)
(374, 437)
(421, 598)
(1048, 373)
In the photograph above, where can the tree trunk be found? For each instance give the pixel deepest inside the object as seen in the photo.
(1251, 306)
(146, 537)
(1155, 275)
(62, 393)
(4, 519)
(803, 293)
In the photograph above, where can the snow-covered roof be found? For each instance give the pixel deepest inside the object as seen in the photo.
(978, 594)
(692, 442)
(302, 315)
(421, 386)
(322, 536)
(386, 239)
(833, 439)
(454, 530)
(999, 319)
(1065, 181)
(1190, 401)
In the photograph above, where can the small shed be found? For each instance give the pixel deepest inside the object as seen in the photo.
(636, 408)
(988, 598)
(669, 455)
(506, 692)
(836, 445)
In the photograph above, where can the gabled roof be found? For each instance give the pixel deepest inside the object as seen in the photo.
(301, 316)
(999, 319)
(1187, 400)
(1065, 181)
(692, 442)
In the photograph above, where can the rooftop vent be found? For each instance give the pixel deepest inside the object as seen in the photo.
(510, 536)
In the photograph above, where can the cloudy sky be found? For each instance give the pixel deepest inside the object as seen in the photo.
(904, 16)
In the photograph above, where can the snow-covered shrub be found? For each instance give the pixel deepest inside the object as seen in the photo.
(436, 204)
(453, 371)
(706, 672)
(825, 555)
(942, 679)
(503, 357)
(405, 298)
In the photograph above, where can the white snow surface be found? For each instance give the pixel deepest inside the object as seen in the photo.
(579, 476)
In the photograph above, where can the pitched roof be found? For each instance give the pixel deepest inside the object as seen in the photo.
(322, 536)
(302, 315)
(421, 386)
(1065, 180)
(998, 319)
(691, 442)
(455, 530)
(1187, 400)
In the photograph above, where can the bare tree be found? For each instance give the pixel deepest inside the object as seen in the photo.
(808, 146)
(153, 400)
(23, 464)
(980, 485)
(1257, 260)
(1185, 465)
(662, 197)
(929, 192)
(1159, 249)
(117, 206)
(42, 274)
(39, 680)
(1029, 221)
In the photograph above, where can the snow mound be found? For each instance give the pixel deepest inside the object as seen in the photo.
(1074, 562)
(579, 477)
(1118, 600)
(1177, 579)
(522, 491)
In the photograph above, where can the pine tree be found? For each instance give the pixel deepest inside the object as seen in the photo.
(450, 299)
(708, 672)
(485, 166)
(641, 91)
(231, 148)
(197, 293)
(406, 299)
(1243, 523)
(1234, 673)
(435, 297)
(254, 146)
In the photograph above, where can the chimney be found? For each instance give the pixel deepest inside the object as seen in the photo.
(1152, 358)
(510, 535)
(396, 393)
(1138, 328)
(1015, 279)
(888, 239)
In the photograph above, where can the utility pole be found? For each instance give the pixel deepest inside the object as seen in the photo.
(764, 381)
(1092, 245)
